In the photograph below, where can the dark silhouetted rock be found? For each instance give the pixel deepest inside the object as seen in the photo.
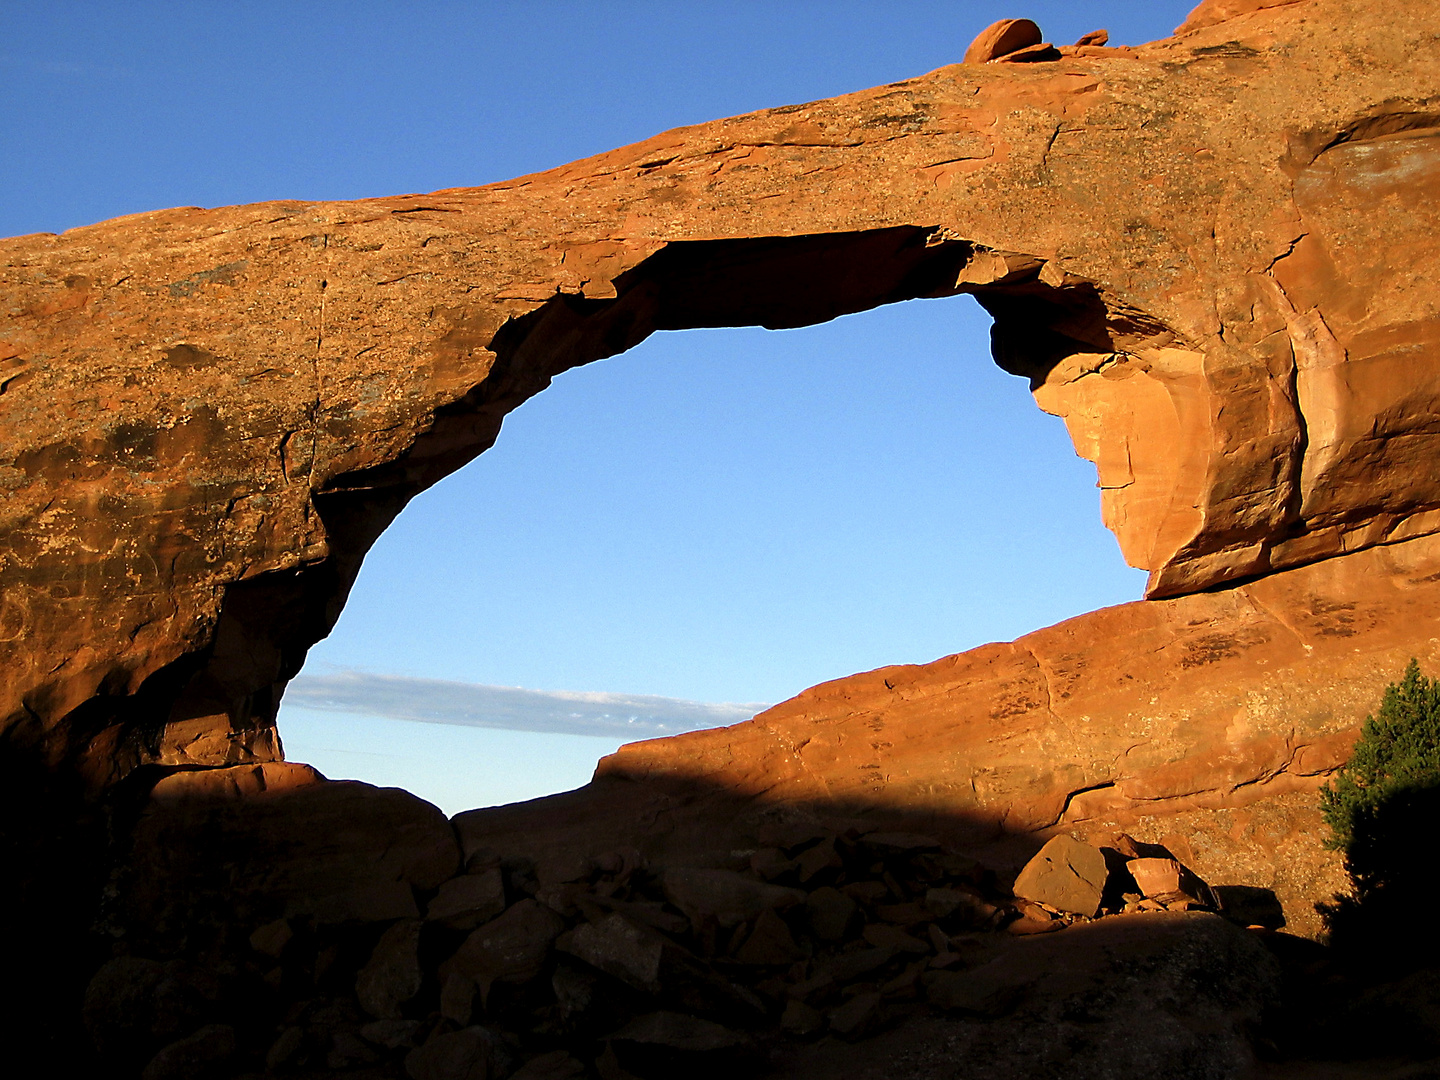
(198, 1056)
(618, 947)
(511, 948)
(770, 943)
(392, 976)
(134, 1005)
(727, 897)
(800, 1019)
(832, 914)
(391, 1033)
(467, 1054)
(1249, 905)
(857, 1017)
(465, 902)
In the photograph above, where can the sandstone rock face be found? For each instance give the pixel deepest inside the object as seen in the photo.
(1205, 722)
(330, 852)
(1207, 254)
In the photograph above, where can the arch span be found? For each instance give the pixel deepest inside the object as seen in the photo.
(208, 415)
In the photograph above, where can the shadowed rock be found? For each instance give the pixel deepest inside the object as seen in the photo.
(1205, 299)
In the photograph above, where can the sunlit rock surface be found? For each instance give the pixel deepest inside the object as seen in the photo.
(1209, 254)
(1213, 255)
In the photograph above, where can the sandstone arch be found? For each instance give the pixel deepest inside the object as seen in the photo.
(1214, 255)
(209, 414)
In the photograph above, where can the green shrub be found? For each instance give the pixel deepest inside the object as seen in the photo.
(1398, 751)
(1383, 809)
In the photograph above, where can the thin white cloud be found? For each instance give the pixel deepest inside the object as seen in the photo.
(436, 701)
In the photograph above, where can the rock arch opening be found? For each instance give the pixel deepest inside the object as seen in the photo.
(866, 492)
(1043, 320)
(216, 701)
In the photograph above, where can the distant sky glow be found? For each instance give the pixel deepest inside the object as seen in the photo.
(510, 708)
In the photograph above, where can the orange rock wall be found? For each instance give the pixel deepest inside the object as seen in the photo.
(1211, 255)
(1206, 722)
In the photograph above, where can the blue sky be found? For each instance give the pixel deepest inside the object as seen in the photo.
(715, 516)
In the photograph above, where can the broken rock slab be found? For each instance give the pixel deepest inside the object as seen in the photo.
(511, 948)
(724, 895)
(1169, 882)
(1067, 875)
(468, 1054)
(393, 975)
(465, 902)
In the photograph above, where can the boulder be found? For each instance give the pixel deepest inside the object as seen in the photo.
(890, 937)
(392, 976)
(851, 965)
(724, 895)
(857, 1017)
(134, 1005)
(203, 1054)
(511, 948)
(618, 947)
(832, 914)
(815, 860)
(465, 902)
(1169, 882)
(769, 943)
(1001, 38)
(800, 1019)
(1066, 874)
(771, 863)
(332, 852)
(457, 998)
(389, 1033)
(1249, 905)
(284, 1048)
(467, 1054)
(270, 940)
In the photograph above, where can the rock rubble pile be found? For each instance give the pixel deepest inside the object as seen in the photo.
(625, 970)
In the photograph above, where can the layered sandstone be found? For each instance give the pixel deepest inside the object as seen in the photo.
(1205, 722)
(1209, 254)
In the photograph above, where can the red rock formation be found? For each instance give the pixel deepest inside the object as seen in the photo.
(1205, 721)
(1211, 255)
(1001, 39)
(1208, 254)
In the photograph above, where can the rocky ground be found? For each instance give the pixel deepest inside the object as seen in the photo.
(353, 942)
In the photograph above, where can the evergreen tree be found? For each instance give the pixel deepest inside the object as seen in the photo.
(1398, 751)
(1383, 809)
